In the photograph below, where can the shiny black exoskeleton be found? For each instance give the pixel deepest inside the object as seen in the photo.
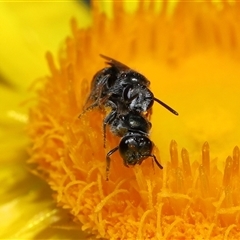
(135, 145)
(119, 83)
(127, 94)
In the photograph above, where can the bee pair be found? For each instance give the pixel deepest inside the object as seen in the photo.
(127, 94)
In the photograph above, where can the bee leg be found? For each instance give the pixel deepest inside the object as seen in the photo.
(110, 117)
(95, 104)
(108, 160)
(98, 103)
(125, 94)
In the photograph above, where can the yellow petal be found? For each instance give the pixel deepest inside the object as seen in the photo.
(28, 30)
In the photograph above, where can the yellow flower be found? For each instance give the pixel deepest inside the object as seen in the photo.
(191, 54)
(26, 205)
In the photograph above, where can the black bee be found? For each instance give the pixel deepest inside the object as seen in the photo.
(135, 145)
(119, 83)
(127, 94)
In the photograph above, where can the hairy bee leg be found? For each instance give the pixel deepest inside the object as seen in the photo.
(108, 161)
(110, 117)
(88, 109)
(97, 103)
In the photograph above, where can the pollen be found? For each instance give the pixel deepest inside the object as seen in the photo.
(191, 56)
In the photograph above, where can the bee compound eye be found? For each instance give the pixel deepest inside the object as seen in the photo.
(127, 145)
(128, 149)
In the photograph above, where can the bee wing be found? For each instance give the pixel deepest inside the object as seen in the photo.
(114, 63)
(96, 94)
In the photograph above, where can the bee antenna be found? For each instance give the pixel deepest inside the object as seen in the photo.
(156, 161)
(166, 106)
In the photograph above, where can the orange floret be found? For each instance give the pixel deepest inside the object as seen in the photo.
(189, 198)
